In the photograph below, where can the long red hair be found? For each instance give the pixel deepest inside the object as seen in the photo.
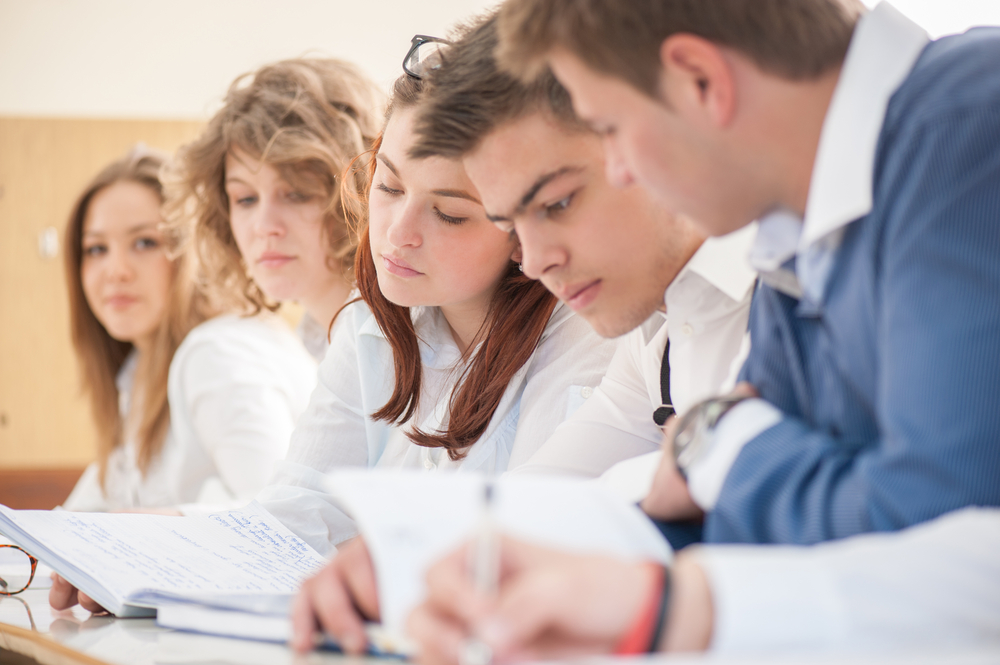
(517, 316)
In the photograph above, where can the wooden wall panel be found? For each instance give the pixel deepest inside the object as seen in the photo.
(44, 163)
(36, 489)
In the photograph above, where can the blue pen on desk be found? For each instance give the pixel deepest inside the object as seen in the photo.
(484, 563)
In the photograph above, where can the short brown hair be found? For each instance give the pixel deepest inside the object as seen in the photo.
(306, 117)
(795, 39)
(469, 96)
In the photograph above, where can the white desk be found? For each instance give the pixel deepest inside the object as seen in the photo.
(30, 627)
(76, 638)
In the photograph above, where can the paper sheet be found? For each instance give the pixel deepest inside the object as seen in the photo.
(410, 519)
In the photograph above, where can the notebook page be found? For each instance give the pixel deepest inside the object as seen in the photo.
(112, 556)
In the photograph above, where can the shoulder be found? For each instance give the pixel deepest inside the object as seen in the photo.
(954, 74)
(567, 331)
(356, 318)
(231, 341)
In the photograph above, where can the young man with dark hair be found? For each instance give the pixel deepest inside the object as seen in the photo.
(871, 158)
(540, 173)
(875, 178)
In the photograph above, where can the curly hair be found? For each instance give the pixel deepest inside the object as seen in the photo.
(306, 117)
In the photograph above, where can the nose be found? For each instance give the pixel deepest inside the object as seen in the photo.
(615, 166)
(404, 226)
(119, 265)
(541, 252)
(269, 220)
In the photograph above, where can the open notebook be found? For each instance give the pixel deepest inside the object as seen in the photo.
(130, 564)
(235, 573)
(411, 518)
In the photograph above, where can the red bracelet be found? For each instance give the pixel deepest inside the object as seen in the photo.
(642, 634)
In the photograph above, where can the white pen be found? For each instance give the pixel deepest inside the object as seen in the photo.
(484, 564)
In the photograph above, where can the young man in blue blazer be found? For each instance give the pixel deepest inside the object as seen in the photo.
(871, 157)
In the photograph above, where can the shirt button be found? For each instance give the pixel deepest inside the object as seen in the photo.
(429, 465)
(586, 392)
(687, 329)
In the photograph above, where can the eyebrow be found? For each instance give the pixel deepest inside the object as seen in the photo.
(532, 192)
(132, 229)
(389, 164)
(457, 194)
(451, 193)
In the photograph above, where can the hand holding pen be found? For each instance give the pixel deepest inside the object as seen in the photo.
(548, 604)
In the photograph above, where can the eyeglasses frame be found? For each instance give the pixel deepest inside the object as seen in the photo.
(416, 42)
(31, 578)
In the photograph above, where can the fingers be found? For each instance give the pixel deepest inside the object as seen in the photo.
(669, 497)
(440, 637)
(304, 624)
(89, 604)
(450, 590)
(324, 602)
(359, 574)
(744, 389)
(62, 595)
(529, 606)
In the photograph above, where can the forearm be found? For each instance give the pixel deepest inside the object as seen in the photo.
(690, 616)
(937, 584)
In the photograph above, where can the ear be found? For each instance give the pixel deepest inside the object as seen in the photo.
(697, 78)
(517, 256)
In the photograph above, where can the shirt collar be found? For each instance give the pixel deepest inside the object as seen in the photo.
(883, 50)
(723, 262)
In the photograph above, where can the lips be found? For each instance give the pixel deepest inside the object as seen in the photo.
(399, 267)
(274, 259)
(578, 296)
(120, 301)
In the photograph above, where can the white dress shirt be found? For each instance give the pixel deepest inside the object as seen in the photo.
(236, 386)
(356, 379)
(883, 50)
(707, 306)
(313, 336)
(932, 585)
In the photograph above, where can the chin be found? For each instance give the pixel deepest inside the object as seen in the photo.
(277, 291)
(616, 323)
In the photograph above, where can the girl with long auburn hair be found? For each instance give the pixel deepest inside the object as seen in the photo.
(193, 404)
(452, 358)
(258, 194)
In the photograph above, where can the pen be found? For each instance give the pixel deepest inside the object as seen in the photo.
(485, 566)
(486, 552)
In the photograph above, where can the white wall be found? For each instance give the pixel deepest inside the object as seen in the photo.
(174, 59)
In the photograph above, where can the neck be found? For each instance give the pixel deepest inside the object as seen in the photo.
(797, 126)
(774, 139)
(686, 240)
(324, 305)
(465, 321)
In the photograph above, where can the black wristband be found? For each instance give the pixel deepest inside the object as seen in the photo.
(661, 614)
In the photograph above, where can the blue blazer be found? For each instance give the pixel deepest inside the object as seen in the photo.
(891, 387)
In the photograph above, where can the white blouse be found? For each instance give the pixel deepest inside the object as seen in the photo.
(236, 386)
(313, 337)
(356, 379)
